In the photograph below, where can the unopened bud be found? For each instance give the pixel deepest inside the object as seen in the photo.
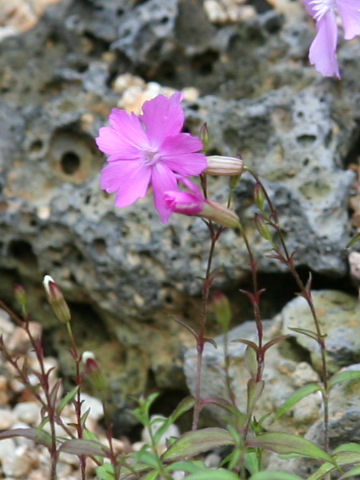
(262, 227)
(20, 295)
(219, 214)
(226, 166)
(93, 372)
(56, 299)
(221, 307)
(204, 136)
(259, 196)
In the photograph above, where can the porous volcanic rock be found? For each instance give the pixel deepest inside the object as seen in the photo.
(125, 274)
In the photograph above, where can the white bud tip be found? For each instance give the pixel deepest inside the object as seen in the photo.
(47, 279)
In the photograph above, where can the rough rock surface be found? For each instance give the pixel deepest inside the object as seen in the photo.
(123, 272)
(339, 317)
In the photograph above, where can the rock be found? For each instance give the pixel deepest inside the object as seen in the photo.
(344, 426)
(7, 418)
(28, 412)
(339, 317)
(123, 273)
(19, 462)
(95, 406)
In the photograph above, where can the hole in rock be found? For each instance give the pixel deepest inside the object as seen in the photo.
(99, 245)
(36, 146)
(353, 157)
(22, 251)
(70, 163)
(203, 64)
(306, 140)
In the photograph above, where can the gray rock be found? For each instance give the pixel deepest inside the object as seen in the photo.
(339, 317)
(122, 271)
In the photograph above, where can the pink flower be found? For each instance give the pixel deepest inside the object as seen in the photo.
(148, 149)
(322, 51)
(193, 203)
(187, 203)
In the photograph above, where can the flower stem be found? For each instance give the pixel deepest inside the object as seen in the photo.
(200, 337)
(288, 259)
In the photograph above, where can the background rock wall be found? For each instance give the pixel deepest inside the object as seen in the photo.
(245, 72)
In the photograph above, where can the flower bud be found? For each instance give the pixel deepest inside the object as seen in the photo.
(227, 166)
(262, 227)
(219, 214)
(259, 196)
(20, 295)
(204, 136)
(93, 372)
(56, 299)
(221, 307)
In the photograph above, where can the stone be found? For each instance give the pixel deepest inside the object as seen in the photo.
(19, 462)
(28, 412)
(339, 317)
(124, 274)
(7, 418)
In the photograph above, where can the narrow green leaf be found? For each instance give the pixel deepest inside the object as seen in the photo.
(252, 462)
(184, 406)
(193, 443)
(346, 376)
(348, 447)
(353, 241)
(322, 471)
(105, 472)
(36, 434)
(274, 341)
(351, 473)
(79, 446)
(151, 475)
(249, 343)
(148, 458)
(303, 331)
(296, 397)
(285, 443)
(209, 474)
(347, 458)
(269, 475)
(67, 399)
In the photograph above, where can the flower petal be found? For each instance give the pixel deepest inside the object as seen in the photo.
(350, 13)
(183, 202)
(162, 117)
(323, 48)
(129, 128)
(186, 164)
(112, 143)
(162, 180)
(130, 179)
(181, 143)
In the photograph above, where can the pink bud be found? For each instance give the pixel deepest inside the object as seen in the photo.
(56, 299)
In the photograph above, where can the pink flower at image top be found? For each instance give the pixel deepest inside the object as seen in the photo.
(148, 150)
(322, 51)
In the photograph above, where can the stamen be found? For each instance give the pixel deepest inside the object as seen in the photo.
(321, 7)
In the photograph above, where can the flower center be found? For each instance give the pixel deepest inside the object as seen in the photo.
(150, 158)
(321, 7)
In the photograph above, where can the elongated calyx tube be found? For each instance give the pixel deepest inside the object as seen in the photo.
(225, 166)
